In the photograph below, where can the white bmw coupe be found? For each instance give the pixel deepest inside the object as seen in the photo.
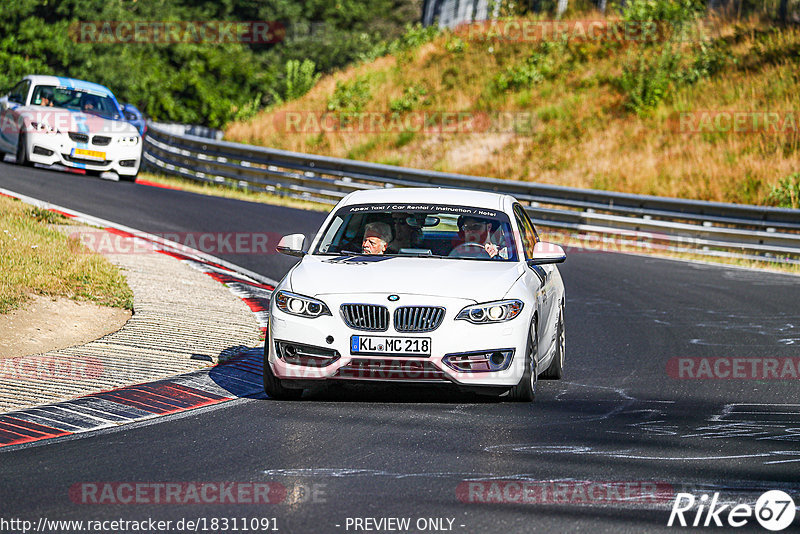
(54, 120)
(435, 286)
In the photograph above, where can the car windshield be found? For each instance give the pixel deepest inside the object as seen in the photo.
(460, 232)
(75, 99)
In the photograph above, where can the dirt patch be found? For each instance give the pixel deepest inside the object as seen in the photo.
(46, 324)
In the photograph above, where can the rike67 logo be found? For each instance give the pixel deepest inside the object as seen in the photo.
(774, 510)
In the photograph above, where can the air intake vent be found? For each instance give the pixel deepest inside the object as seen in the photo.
(418, 318)
(368, 317)
(79, 137)
(101, 140)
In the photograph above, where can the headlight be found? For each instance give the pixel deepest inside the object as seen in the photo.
(491, 312)
(299, 305)
(128, 140)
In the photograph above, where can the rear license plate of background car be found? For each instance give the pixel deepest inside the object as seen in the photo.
(415, 346)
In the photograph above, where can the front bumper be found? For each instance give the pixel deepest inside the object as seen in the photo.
(52, 148)
(330, 335)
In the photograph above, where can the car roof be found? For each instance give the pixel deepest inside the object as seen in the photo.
(429, 195)
(71, 83)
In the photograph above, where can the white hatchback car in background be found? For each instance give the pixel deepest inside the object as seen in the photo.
(437, 286)
(54, 120)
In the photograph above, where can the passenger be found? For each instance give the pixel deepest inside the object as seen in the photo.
(377, 236)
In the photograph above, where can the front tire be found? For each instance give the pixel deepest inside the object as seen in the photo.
(22, 151)
(525, 391)
(556, 369)
(272, 384)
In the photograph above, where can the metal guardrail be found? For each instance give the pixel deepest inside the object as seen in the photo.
(709, 228)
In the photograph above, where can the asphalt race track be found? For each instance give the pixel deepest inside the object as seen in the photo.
(607, 449)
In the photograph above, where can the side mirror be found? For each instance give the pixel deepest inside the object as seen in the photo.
(544, 253)
(292, 245)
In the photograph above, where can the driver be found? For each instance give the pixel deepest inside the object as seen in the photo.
(376, 237)
(476, 231)
(46, 97)
(89, 103)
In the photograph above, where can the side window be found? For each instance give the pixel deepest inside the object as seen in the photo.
(528, 234)
(533, 228)
(19, 92)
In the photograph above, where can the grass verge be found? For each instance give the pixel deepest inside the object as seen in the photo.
(37, 259)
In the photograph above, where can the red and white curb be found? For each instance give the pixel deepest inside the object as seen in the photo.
(235, 378)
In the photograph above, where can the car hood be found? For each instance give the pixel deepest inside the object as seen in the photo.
(76, 121)
(481, 281)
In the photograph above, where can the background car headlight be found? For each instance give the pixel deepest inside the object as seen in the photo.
(128, 140)
(44, 127)
(491, 312)
(300, 305)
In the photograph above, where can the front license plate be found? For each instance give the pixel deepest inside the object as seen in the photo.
(89, 154)
(416, 346)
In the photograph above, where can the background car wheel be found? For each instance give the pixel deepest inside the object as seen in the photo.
(22, 151)
(525, 391)
(556, 369)
(272, 384)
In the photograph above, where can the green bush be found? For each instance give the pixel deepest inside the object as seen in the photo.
(646, 80)
(350, 96)
(414, 36)
(677, 12)
(545, 62)
(411, 97)
(300, 78)
(787, 193)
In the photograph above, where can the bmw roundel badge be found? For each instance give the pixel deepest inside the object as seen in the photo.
(393, 298)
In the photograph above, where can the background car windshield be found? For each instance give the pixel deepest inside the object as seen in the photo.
(77, 100)
(459, 232)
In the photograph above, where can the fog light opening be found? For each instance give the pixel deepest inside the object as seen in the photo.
(483, 361)
(305, 355)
